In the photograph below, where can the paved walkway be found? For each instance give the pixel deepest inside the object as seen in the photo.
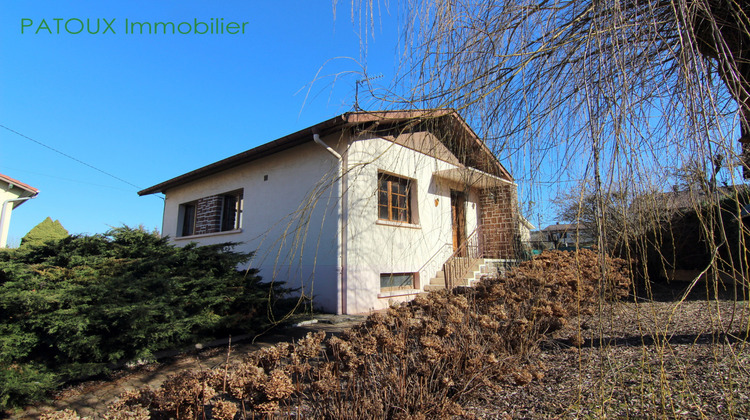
(92, 397)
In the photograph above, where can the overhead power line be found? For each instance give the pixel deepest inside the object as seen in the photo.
(71, 157)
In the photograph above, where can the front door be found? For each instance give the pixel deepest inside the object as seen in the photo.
(458, 218)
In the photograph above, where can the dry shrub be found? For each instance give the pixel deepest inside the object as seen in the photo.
(553, 287)
(422, 359)
(66, 414)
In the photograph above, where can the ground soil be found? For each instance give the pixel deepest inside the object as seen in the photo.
(638, 360)
(645, 359)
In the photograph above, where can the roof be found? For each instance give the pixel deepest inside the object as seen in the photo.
(689, 199)
(446, 123)
(16, 183)
(560, 227)
(526, 223)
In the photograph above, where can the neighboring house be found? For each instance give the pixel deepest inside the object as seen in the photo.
(360, 211)
(525, 227)
(565, 235)
(539, 240)
(13, 193)
(664, 205)
(683, 238)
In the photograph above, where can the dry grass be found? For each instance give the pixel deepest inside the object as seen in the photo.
(649, 360)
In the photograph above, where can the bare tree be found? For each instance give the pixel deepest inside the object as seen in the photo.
(580, 206)
(603, 93)
(613, 92)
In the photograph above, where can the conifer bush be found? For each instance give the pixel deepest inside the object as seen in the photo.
(46, 230)
(74, 307)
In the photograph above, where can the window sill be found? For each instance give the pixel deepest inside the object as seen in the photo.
(206, 235)
(397, 224)
(394, 293)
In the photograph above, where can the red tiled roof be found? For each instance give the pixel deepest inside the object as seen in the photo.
(19, 184)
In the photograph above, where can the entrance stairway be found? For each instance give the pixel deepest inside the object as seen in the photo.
(475, 272)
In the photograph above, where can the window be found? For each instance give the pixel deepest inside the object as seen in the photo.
(216, 213)
(231, 211)
(186, 220)
(397, 281)
(394, 198)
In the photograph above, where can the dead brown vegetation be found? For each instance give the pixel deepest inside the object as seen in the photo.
(427, 358)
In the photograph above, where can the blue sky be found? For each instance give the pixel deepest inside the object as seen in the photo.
(146, 108)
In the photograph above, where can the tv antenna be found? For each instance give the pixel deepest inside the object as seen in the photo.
(356, 88)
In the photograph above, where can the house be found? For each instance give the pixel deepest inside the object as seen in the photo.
(567, 235)
(13, 193)
(361, 211)
(694, 234)
(525, 228)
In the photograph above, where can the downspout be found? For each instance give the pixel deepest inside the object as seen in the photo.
(341, 237)
(4, 220)
(317, 139)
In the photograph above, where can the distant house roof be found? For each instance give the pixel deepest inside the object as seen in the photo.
(560, 227)
(676, 201)
(16, 183)
(464, 143)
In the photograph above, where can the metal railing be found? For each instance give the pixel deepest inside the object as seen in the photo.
(458, 265)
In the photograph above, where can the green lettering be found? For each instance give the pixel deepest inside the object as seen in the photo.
(23, 20)
(233, 26)
(180, 26)
(109, 26)
(164, 25)
(68, 30)
(243, 26)
(43, 25)
(195, 27)
(140, 27)
(88, 26)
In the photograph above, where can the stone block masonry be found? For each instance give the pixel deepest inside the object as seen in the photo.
(208, 214)
(498, 220)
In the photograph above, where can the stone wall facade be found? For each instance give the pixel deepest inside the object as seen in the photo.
(498, 221)
(208, 214)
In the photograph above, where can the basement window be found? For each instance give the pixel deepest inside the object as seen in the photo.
(397, 281)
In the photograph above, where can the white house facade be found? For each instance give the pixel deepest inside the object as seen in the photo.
(359, 211)
(13, 193)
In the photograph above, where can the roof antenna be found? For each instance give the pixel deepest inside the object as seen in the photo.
(356, 89)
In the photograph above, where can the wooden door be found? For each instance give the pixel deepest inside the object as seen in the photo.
(458, 218)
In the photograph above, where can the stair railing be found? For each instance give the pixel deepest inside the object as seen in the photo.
(457, 267)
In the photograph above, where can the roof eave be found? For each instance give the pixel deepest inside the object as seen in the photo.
(305, 135)
(18, 184)
(266, 149)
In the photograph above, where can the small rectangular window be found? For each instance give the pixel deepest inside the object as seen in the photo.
(394, 198)
(187, 219)
(397, 281)
(231, 211)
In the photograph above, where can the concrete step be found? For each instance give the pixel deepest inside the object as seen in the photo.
(473, 276)
(482, 267)
(439, 279)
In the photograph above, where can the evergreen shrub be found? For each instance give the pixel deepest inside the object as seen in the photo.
(74, 307)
